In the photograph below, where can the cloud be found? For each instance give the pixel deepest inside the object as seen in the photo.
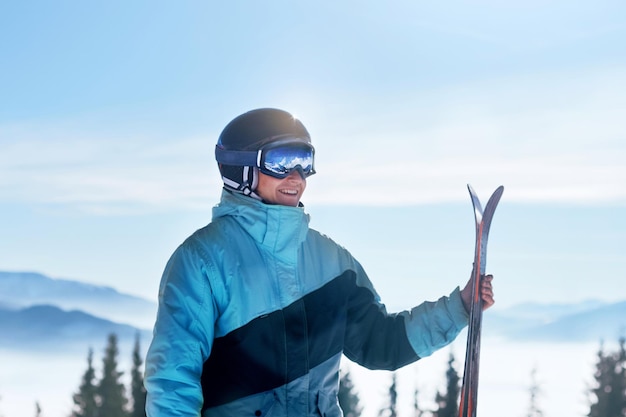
(106, 175)
(546, 138)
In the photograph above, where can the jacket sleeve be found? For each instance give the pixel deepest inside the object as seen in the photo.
(379, 340)
(182, 337)
(433, 325)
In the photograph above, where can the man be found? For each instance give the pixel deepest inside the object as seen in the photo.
(256, 309)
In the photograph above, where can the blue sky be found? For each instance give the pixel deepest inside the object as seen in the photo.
(110, 111)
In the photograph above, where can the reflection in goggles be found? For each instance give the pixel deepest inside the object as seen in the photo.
(277, 159)
(281, 161)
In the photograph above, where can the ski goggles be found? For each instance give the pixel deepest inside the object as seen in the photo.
(277, 159)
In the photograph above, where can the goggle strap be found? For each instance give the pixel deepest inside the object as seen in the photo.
(237, 158)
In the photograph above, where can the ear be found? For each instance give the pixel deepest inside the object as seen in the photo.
(254, 178)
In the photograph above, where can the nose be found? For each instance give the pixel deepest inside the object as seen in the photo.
(297, 170)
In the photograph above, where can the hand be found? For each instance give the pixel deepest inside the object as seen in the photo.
(486, 293)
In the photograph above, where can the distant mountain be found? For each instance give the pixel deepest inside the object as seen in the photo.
(582, 322)
(76, 306)
(550, 312)
(603, 323)
(49, 329)
(25, 289)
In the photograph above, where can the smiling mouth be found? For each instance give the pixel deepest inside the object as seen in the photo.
(289, 192)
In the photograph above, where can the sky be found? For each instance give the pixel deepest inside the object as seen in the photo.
(109, 112)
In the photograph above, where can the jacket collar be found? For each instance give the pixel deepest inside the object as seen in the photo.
(274, 226)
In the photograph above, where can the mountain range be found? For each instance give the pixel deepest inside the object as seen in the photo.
(27, 289)
(38, 312)
(582, 322)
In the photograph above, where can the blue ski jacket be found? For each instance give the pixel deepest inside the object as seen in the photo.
(256, 310)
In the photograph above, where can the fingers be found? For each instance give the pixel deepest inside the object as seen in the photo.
(486, 291)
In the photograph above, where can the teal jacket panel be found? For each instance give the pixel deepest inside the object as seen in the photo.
(256, 310)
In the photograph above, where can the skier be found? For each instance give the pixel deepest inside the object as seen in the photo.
(256, 309)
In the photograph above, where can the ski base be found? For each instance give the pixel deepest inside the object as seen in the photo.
(469, 389)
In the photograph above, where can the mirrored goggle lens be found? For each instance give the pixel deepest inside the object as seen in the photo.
(281, 161)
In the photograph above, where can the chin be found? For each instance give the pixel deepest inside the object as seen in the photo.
(289, 202)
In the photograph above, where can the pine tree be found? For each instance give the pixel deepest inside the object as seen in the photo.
(111, 390)
(621, 375)
(392, 408)
(602, 384)
(85, 400)
(348, 398)
(417, 410)
(138, 392)
(609, 392)
(447, 402)
(535, 392)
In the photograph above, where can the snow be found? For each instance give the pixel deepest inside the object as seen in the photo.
(49, 380)
(564, 372)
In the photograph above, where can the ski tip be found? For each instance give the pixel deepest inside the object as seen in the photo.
(498, 190)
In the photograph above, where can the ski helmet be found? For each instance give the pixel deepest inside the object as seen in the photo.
(252, 131)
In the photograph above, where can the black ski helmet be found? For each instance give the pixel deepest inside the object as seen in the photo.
(249, 132)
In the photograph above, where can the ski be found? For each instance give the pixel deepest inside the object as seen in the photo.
(469, 389)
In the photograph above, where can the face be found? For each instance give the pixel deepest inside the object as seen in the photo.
(286, 191)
